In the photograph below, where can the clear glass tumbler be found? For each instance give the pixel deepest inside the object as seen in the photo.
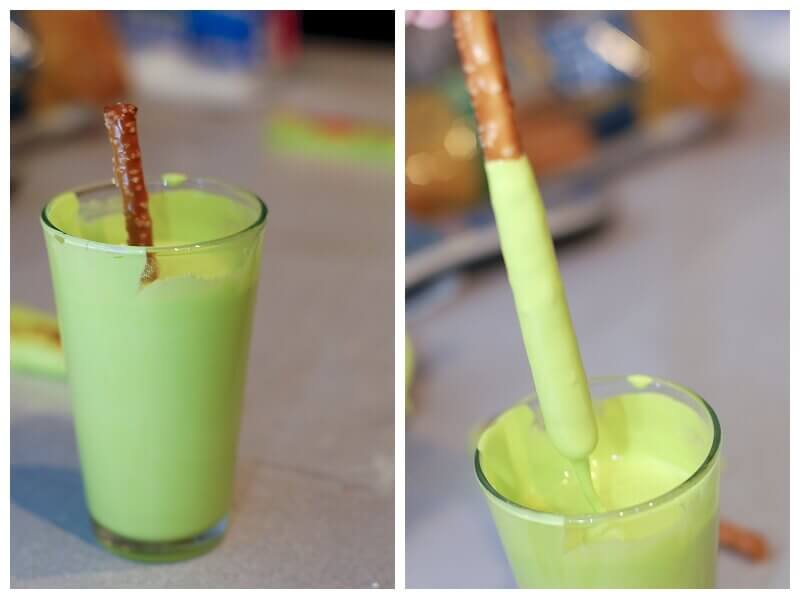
(667, 542)
(156, 367)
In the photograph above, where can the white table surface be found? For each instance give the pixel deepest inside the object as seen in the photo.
(314, 501)
(690, 281)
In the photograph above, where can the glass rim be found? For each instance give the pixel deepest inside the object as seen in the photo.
(156, 249)
(637, 509)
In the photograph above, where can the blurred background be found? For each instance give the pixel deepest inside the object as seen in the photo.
(660, 141)
(299, 108)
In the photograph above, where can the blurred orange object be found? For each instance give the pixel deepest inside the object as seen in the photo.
(690, 63)
(554, 139)
(443, 171)
(745, 542)
(81, 58)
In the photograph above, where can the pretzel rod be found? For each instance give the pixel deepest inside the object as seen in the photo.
(743, 541)
(482, 62)
(120, 121)
(527, 248)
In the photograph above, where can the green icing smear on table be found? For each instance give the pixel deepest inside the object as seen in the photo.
(541, 303)
(36, 343)
(345, 140)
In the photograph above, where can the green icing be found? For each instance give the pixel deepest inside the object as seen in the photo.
(583, 473)
(542, 309)
(649, 444)
(173, 179)
(35, 344)
(156, 372)
(640, 381)
(180, 216)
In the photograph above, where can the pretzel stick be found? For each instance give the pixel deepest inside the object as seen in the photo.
(120, 121)
(482, 63)
(743, 541)
(527, 246)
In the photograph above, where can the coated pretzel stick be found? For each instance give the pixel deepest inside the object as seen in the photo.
(743, 541)
(120, 121)
(482, 63)
(527, 246)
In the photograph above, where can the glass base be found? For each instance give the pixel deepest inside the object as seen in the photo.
(160, 551)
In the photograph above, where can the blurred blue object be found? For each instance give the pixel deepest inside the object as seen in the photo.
(226, 38)
(229, 39)
(143, 28)
(591, 61)
(578, 68)
(207, 56)
(597, 61)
